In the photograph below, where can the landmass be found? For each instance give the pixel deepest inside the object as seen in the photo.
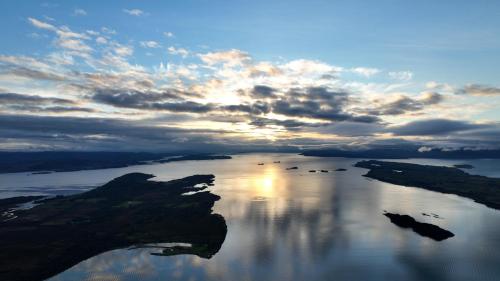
(197, 157)
(292, 168)
(463, 166)
(424, 229)
(129, 210)
(11, 203)
(450, 180)
(405, 153)
(65, 161)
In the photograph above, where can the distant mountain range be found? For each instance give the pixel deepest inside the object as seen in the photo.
(402, 153)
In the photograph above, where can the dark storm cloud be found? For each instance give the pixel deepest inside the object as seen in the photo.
(95, 132)
(479, 90)
(262, 91)
(13, 98)
(434, 127)
(313, 102)
(33, 103)
(289, 124)
(406, 104)
(186, 106)
(50, 109)
(169, 100)
(351, 129)
(318, 103)
(256, 108)
(129, 98)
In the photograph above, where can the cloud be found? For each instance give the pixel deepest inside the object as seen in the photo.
(101, 40)
(171, 100)
(404, 104)
(67, 39)
(262, 91)
(309, 67)
(401, 75)
(168, 34)
(123, 51)
(350, 129)
(101, 133)
(318, 103)
(289, 123)
(42, 25)
(232, 57)
(49, 109)
(150, 44)
(479, 90)
(433, 127)
(13, 68)
(79, 12)
(365, 71)
(178, 51)
(256, 108)
(300, 102)
(134, 12)
(36, 104)
(13, 98)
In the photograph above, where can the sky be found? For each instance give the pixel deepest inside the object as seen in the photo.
(249, 75)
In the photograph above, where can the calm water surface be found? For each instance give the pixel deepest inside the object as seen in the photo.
(296, 225)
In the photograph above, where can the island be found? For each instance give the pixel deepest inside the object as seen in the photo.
(340, 170)
(292, 168)
(424, 229)
(463, 166)
(46, 162)
(130, 210)
(450, 180)
(196, 157)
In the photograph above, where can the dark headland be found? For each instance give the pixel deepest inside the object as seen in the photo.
(65, 161)
(450, 180)
(129, 210)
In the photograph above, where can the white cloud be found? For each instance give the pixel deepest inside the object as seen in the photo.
(42, 25)
(123, 51)
(231, 58)
(365, 71)
(101, 40)
(150, 44)
(92, 32)
(178, 51)
(401, 75)
(108, 30)
(61, 59)
(168, 34)
(67, 39)
(79, 12)
(309, 68)
(134, 12)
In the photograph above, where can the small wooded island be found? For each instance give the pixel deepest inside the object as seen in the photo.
(481, 189)
(424, 229)
(129, 210)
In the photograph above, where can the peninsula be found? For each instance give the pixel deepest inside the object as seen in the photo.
(130, 210)
(450, 180)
